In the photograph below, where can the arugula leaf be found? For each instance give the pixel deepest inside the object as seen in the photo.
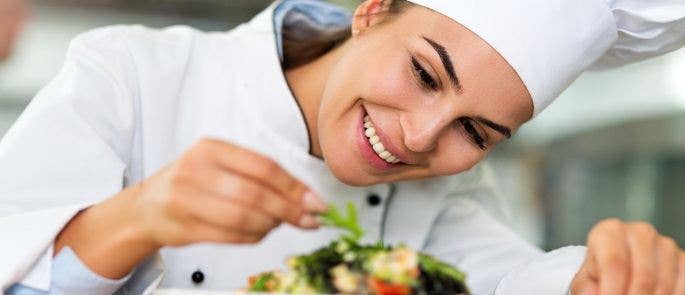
(260, 284)
(349, 223)
(432, 266)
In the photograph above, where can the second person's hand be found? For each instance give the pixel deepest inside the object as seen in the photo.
(630, 258)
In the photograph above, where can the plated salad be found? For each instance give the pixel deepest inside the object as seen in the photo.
(347, 267)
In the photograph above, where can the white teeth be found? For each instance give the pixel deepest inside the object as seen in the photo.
(375, 142)
(374, 139)
(379, 148)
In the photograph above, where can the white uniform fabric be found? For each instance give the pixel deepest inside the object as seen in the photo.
(551, 42)
(645, 28)
(130, 100)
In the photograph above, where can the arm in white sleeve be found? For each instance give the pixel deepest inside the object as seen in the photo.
(646, 28)
(466, 236)
(495, 259)
(71, 276)
(69, 150)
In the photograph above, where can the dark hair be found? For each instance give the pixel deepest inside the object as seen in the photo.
(397, 6)
(301, 45)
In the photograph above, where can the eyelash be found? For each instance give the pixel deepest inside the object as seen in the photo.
(429, 83)
(426, 79)
(473, 133)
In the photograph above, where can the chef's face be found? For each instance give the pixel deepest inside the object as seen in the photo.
(438, 99)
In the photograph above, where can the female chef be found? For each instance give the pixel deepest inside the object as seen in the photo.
(192, 145)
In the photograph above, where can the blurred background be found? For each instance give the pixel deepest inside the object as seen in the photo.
(612, 146)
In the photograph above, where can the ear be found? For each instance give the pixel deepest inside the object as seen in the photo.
(368, 14)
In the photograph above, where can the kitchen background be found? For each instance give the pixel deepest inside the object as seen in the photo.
(612, 146)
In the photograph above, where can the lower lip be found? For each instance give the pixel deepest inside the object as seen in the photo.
(367, 150)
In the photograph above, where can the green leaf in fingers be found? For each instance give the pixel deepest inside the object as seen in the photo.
(348, 222)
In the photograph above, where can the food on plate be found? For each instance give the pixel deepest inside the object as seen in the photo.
(347, 267)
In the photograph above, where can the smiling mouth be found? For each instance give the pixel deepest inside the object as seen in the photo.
(376, 143)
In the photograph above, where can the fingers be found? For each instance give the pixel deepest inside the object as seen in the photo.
(254, 195)
(258, 167)
(668, 255)
(584, 282)
(229, 216)
(232, 194)
(607, 246)
(630, 258)
(642, 240)
(203, 232)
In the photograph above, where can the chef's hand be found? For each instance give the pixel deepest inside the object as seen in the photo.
(215, 192)
(630, 258)
(219, 192)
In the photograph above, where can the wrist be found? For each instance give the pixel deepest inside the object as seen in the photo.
(133, 224)
(107, 237)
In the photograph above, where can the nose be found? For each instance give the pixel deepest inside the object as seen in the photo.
(422, 130)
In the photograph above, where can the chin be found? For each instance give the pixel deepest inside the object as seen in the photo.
(352, 176)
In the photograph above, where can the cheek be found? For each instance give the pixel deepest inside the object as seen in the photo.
(389, 84)
(455, 154)
(380, 80)
(373, 71)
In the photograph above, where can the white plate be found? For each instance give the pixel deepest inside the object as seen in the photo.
(189, 292)
(202, 292)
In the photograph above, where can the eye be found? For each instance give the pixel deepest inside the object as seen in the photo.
(426, 79)
(468, 126)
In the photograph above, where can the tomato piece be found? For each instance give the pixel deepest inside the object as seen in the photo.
(379, 287)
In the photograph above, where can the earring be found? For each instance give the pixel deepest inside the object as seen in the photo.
(355, 32)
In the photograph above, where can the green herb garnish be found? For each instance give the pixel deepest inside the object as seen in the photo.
(349, 223)
(260, 284)
(432, 266)
(437, 276)
(316, 271)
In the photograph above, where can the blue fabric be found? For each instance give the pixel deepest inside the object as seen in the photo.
(69, 274)
(309, 19)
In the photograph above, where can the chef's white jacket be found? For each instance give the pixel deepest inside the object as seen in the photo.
(130, 100)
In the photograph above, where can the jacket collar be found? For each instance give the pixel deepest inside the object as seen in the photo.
(279, 110)
(416, 204)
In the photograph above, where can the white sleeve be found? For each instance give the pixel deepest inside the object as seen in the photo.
(646, 28)
(551, 273)
(68, 150)
(466, 236)
(495, 259)
(469, 234)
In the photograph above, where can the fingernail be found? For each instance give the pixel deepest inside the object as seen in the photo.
(314, 203)
(309, 221)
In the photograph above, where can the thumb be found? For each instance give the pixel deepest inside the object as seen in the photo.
(585, 288)
(585, 283)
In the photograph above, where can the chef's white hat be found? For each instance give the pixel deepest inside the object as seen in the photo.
(548, 42)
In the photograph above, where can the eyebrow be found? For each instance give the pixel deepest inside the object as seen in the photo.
(504, 130)
(449, 68)
(446, 61)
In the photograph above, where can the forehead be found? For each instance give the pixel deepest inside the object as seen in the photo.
(488, 81)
